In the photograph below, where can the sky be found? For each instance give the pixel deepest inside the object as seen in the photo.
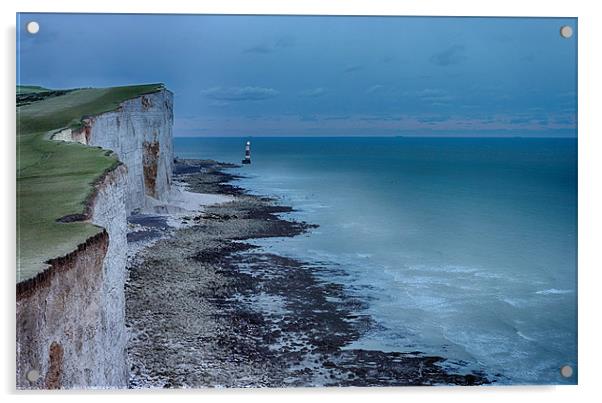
(321, 76)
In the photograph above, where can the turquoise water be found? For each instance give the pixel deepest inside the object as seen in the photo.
(464, 248)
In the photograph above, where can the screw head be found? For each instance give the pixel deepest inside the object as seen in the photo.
(566, 31)
(566, 371)
(33, 27)
(33, 375)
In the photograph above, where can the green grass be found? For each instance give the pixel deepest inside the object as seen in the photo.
(55, 178)
(30, 89)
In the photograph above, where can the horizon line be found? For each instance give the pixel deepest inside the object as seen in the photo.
(378, 136)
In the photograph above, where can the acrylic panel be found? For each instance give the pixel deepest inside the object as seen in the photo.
(295, 201)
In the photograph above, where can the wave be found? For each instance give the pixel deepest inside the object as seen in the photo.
(553, 291)
(518, 332)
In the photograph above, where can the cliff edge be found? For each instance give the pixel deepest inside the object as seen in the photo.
(139, 131)
(71, 308)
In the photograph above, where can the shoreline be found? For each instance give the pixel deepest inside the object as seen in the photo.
(207, 308)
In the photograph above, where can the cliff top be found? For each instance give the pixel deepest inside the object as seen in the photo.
(28, 89)
(54, 179)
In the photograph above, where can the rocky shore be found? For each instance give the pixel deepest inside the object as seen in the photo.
(207, 308)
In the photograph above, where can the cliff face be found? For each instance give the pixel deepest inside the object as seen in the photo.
(70, 326)
(71, 318)
(140, 133)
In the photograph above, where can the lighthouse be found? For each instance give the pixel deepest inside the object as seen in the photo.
(247, 159)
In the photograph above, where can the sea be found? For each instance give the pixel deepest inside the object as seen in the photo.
(465, 248)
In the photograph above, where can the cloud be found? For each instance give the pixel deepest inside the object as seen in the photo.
(308, 118)
(565, 119)
(313, 92)
(452, 55)
(566, 94)
(374, 88)
(219, 104)
(520, 120)
(286, 41)
(432, 96)
(351, 68)
(430, 92)
(239, 93)
(283, 42)
(380, 124)
(337, 117)
(432, 119)
(262, 48)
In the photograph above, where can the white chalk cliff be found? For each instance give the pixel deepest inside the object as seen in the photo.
(71, 322)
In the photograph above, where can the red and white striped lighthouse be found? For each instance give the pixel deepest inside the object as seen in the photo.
(247, 159)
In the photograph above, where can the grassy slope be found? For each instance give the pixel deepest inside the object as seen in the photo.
(54, 178)
(30, 89)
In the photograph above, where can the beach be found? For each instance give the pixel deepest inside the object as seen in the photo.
(205, 307)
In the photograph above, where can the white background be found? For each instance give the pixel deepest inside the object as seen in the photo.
(590, 200)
